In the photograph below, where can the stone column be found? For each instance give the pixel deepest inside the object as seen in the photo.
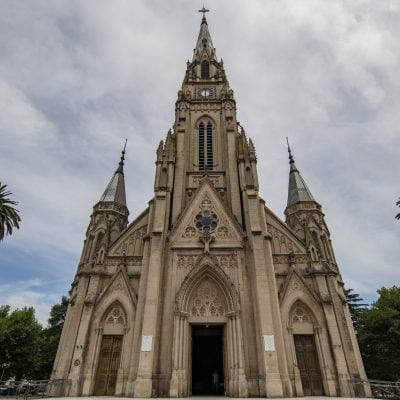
(185, 336)
(242, 382)
(143, 384)
(155, 268)
(335, 338)
(180, 365)
(329, 383)
(92, 370)
(79, 354)
(297, 377)
(174, 383)
(231, 361)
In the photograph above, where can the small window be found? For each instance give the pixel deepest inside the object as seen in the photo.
(205, 70)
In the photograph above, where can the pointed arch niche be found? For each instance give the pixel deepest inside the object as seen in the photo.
(108, 371)
(309, 362)
(207, 297)
(110, 330)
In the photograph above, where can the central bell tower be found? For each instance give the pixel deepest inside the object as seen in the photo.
(206, 129)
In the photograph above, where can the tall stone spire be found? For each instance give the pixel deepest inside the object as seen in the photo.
(298, 190)
(204, 41)
(115, 190)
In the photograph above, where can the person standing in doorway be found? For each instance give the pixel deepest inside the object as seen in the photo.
(215, 381)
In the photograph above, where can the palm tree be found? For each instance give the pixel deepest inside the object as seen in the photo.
(9, 217)
(398, 204)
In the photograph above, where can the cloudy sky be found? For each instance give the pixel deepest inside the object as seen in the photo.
(78, 77)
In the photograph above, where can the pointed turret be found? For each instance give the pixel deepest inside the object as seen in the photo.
(204, 41)
(304, 215)
(115, 190)
(298, 190)
(109, 218)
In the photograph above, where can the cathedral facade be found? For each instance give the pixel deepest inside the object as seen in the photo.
(207, 291)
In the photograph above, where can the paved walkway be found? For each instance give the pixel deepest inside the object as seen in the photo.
(216, 398)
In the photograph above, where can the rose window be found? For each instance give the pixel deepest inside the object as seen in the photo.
(206, 221)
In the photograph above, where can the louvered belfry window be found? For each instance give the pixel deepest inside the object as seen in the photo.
(206, 155)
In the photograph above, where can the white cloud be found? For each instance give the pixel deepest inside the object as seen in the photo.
(77, 78)
(29, 293)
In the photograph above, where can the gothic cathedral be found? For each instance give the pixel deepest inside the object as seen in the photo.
(207, 291)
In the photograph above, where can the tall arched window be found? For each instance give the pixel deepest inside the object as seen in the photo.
(201, 146)
(205, 70)
(209, 147)
(206, 155)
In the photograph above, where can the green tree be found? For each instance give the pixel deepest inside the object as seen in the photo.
(356, 307)
(379, 336)
(4, 310)
(9, 217)
(20, 341)
(51, 337)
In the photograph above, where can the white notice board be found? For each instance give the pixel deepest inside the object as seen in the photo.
(147, 343)
(269, 343)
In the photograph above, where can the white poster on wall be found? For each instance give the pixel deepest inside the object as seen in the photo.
(147, 343)
(269, 343)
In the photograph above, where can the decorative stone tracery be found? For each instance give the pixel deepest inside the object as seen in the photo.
(208, 219)
(300, 314)
(115, 316)
(207, 300)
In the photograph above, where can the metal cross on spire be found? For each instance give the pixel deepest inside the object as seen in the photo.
(204, 11)
(291, 159)
(121, 163)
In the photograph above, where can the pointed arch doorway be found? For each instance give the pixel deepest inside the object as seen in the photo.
(207, 315)
(111, 337)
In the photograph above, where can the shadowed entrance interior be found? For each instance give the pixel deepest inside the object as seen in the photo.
(207, 359)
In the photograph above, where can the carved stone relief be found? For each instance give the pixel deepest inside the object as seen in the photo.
(207, 301)
(227, 261)
(118, 284)
(133, 244)
(115, 316)
(292, 258)
(187, 262)
(281, 243)
(300, 315)
(295, 286)
(128, 261)
(216, 179)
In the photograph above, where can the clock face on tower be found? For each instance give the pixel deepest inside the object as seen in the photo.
(205, 93)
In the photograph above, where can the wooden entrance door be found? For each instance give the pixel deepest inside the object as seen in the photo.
(307, 360)
(107, 370)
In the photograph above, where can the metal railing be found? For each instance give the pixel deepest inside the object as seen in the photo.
(379, 389)
(34, 388)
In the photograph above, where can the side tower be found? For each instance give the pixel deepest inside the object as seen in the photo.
(305, 217)
(207, 291)
(108, 220)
